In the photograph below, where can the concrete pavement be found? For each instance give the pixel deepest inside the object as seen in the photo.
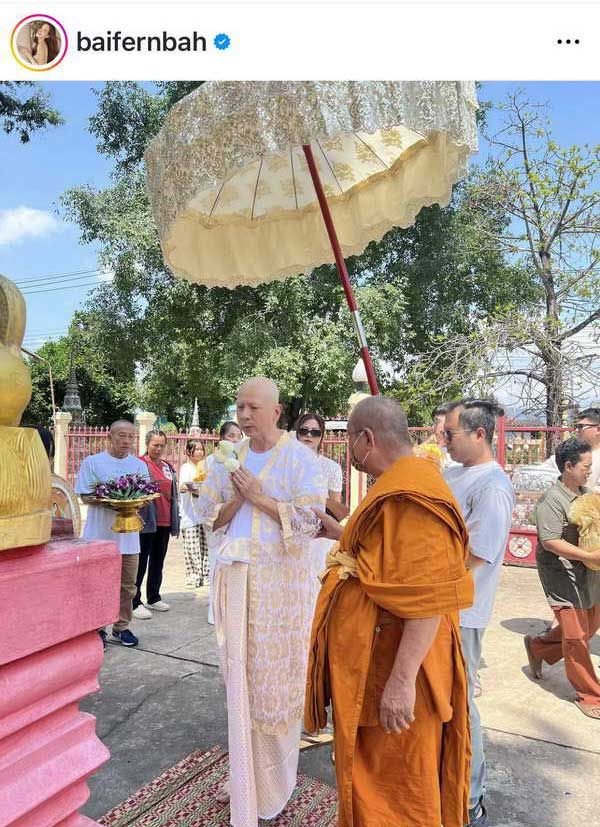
(164, 699)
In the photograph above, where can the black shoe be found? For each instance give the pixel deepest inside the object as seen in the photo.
(478, 815)
(103, 637)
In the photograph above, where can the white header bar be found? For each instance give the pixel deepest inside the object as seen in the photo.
(293, 40)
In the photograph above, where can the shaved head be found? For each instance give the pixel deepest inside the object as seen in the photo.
(258, 410)
(118, 424)
(384, 417)
(260, 385)
(122, 435)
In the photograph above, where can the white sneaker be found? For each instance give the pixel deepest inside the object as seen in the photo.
(159, 606)
(142, 613)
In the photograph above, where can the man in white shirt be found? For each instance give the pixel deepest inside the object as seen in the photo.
(486, 498)
(116, 461)
(588, 429)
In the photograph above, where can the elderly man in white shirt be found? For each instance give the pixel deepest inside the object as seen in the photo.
(116, 461)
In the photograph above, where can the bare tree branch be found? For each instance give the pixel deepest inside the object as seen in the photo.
(581, 326)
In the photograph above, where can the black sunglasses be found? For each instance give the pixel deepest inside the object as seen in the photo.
(309, 432)
(450, 434)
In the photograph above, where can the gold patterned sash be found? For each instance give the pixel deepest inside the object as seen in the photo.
(347, 564)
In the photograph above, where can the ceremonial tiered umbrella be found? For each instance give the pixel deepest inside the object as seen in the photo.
(256, 181)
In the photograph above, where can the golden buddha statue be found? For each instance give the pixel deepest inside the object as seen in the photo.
(25, 519)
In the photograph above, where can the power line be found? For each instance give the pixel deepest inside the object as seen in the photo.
(64, 287)
(44, 336)
(33, 331)
(19, 279)
(62, 279)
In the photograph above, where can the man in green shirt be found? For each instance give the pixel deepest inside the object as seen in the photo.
(572, 589)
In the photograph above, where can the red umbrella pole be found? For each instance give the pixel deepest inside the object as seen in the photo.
(341, 266)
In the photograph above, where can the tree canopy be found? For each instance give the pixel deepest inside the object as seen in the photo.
(22, 113)
(168, 341)
(551, 199)
(103, 392)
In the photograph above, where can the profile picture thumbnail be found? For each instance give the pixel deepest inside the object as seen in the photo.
(39, 42)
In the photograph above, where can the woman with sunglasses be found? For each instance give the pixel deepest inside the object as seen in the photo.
(310, 430)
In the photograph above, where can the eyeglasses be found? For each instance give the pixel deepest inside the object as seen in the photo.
(450, 434)
(584, 426)
(314, 432)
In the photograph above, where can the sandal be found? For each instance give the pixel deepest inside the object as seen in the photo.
(535, 664)
(309, 741)
(589, 710)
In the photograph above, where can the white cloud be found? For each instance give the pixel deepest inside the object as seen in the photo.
(22, 223)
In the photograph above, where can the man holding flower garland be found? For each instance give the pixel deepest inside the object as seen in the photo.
(262, 492)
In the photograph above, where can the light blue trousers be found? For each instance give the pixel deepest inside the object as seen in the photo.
(471, 646)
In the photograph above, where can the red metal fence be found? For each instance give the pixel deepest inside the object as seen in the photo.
(175, 453)
(81, 443)
(525, 444)
(335, 446)
(514, 445)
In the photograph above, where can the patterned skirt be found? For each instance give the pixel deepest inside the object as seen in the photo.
(195, 554)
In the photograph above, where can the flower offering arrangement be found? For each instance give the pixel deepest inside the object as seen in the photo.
(126, 495)
(200, 476)
(430, 451)
(227, 456)
(127, 487)
(585, 514)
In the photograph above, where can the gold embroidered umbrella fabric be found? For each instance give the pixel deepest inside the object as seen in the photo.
(231, 191)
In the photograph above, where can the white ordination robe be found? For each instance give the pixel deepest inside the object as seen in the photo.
(263, 602)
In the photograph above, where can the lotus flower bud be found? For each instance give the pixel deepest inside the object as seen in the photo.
(231, 464)
(226, 447)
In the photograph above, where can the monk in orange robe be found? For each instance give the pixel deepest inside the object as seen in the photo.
(385, 649)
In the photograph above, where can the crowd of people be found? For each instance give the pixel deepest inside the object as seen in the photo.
(398, 595)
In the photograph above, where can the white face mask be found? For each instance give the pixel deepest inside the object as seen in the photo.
(358, 464)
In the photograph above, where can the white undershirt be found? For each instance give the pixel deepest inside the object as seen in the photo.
(240, 527)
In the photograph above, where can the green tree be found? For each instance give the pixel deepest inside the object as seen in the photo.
(104, 396)
(22, 113)
(176, 341)
(550, 197)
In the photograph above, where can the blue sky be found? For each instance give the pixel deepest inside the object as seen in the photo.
(35, 242)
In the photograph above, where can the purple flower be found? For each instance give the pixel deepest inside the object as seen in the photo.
(129, 486)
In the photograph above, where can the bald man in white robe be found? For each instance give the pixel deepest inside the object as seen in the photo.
(263, 599)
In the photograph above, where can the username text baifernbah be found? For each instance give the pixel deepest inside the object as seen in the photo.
(119, 41)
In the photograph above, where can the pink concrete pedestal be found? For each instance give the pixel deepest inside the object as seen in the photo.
(52, 600)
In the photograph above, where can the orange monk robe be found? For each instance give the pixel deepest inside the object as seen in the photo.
(407, 546)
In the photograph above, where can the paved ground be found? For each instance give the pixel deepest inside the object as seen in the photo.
(163, 700)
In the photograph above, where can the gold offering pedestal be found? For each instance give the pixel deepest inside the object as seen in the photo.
(128, 512)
